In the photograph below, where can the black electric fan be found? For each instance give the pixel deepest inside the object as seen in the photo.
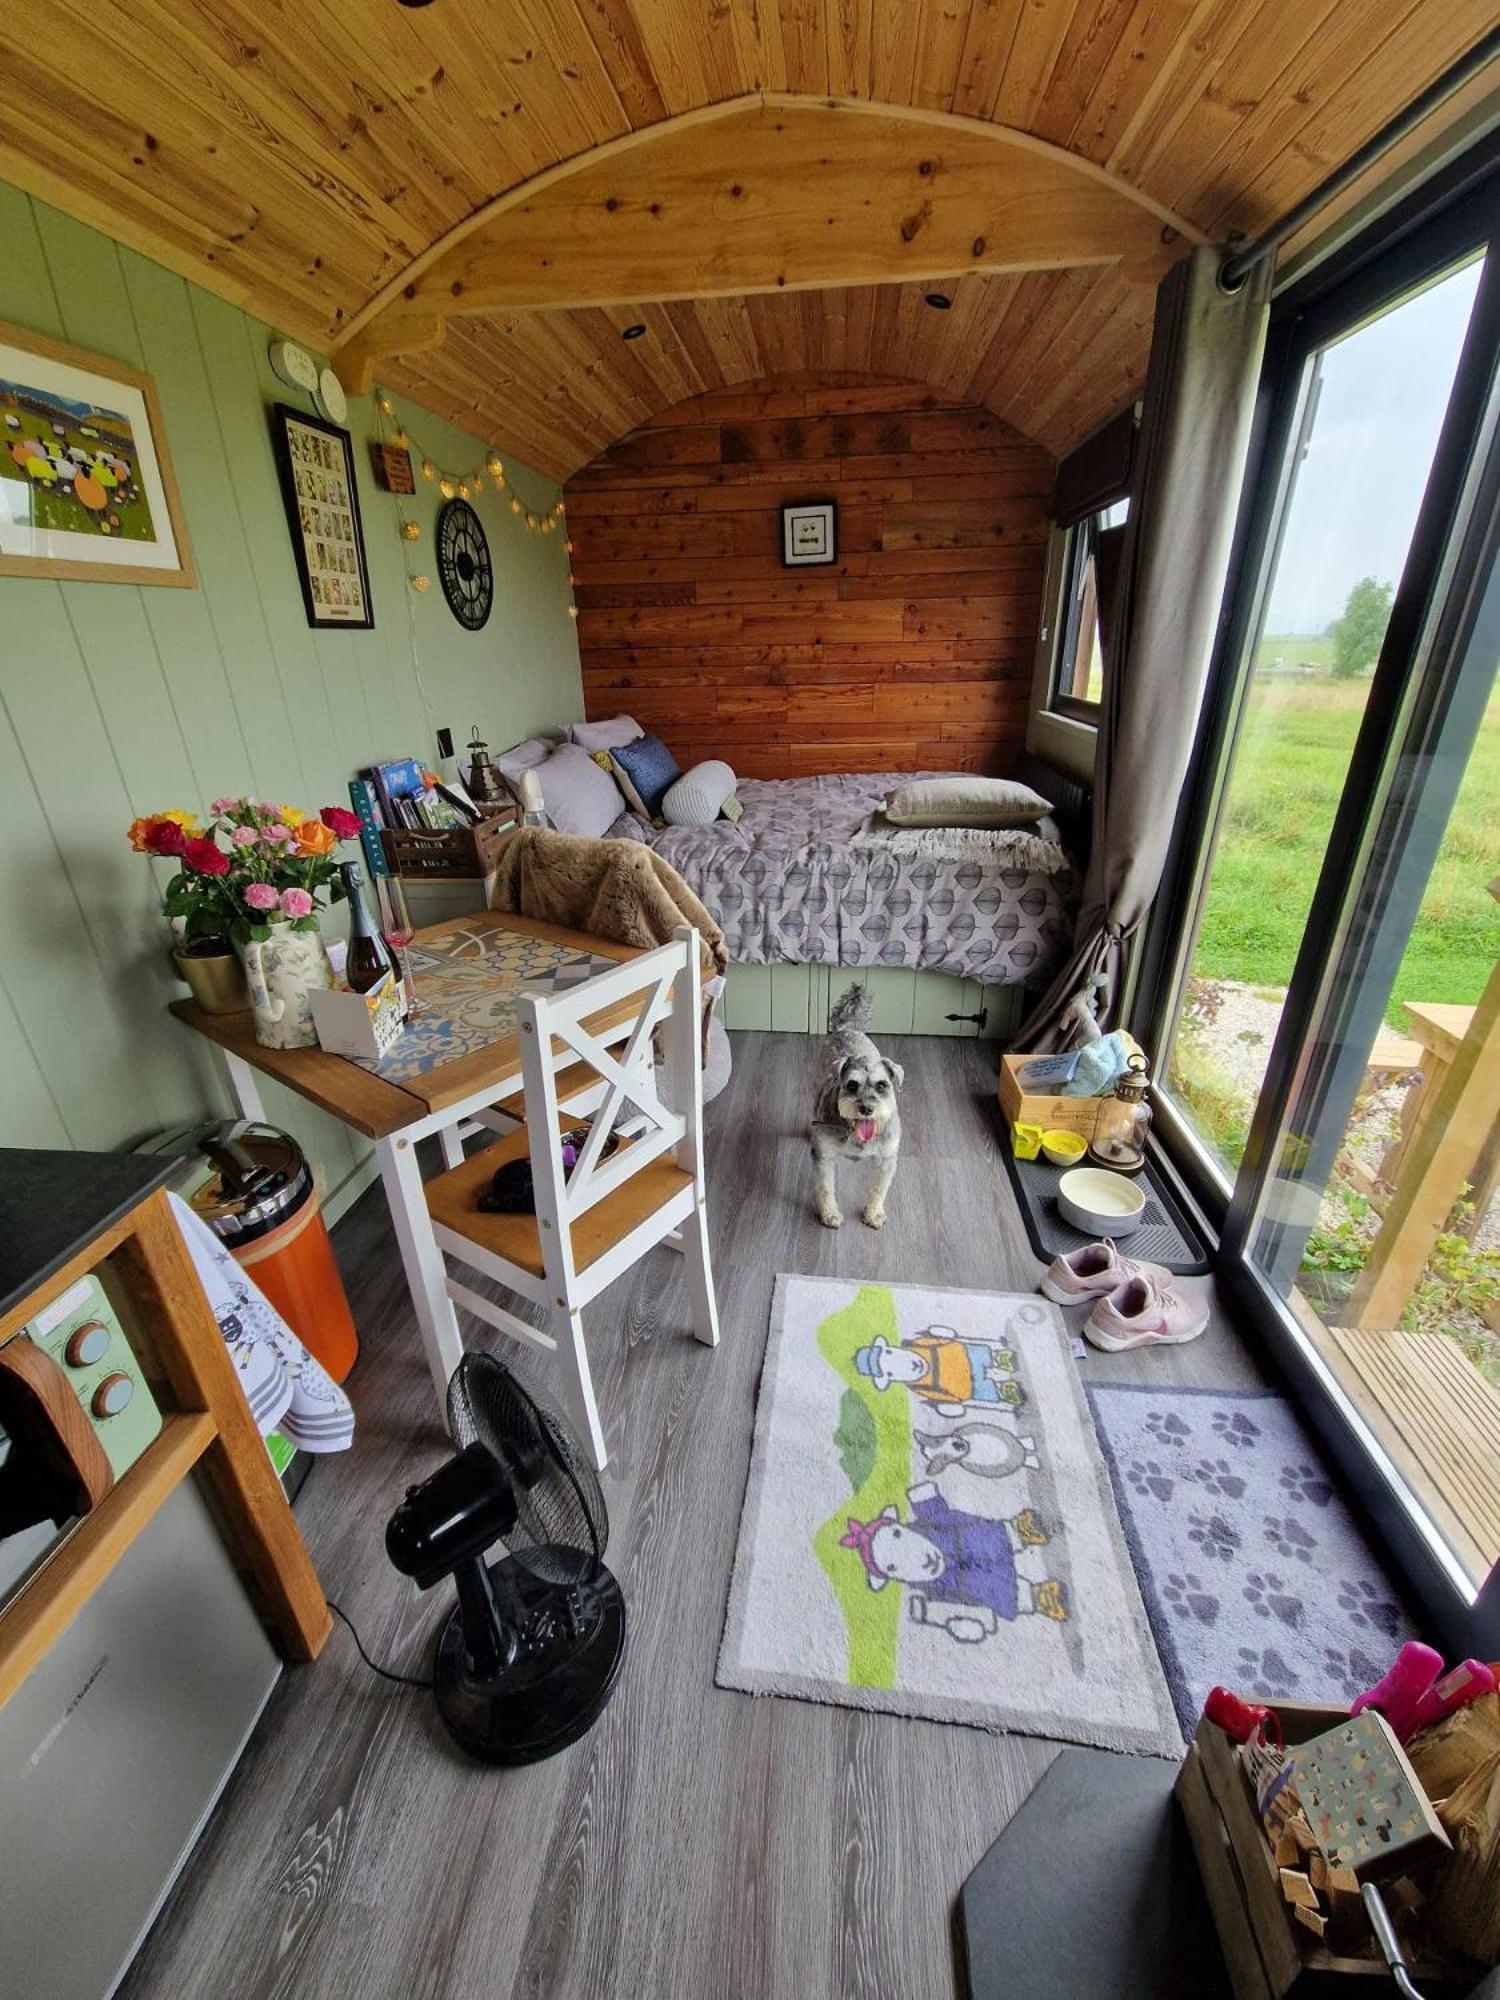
(532, 1650)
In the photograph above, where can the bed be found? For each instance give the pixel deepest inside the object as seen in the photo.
(808, 876)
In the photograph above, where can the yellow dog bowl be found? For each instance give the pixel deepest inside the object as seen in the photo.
(1064, 1149)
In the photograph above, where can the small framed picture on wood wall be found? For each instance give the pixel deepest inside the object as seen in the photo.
(809, 533)
(322, 510)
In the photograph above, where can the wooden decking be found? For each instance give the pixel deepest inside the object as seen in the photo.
(1440, 1420)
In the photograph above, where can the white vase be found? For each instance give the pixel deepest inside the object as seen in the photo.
(282, 970)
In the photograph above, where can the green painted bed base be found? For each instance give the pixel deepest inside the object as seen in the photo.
(795, 999)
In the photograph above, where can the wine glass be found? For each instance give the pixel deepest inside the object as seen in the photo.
(396, 928)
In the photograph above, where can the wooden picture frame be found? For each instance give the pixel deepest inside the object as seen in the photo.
(809, 534)
(315, 463)
(87, 491)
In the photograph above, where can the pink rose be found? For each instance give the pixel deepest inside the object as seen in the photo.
(278, 833)
(261, 896)
(245, 836)
(296, 903)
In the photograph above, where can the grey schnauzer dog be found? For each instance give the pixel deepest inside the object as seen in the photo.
(855, 1117)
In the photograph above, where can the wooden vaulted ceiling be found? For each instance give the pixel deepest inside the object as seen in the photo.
(302, 156)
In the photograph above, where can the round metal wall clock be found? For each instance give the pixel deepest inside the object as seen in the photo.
(464, 568)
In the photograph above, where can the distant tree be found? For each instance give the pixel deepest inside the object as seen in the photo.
(1357, 633)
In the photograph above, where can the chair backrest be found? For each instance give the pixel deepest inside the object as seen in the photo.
(610, 1022)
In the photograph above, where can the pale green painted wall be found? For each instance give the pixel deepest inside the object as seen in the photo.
(117, 700)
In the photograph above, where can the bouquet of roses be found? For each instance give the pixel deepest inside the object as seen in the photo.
(251, 865)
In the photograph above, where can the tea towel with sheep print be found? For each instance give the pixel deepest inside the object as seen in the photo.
(928, 1526)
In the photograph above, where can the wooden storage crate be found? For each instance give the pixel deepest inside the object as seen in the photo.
(1268, 1955)
(456, 852)
(1053, 1114)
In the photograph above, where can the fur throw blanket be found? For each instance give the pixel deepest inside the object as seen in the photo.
(998, 847)
(617, 889)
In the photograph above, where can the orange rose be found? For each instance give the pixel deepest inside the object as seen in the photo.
(315, 838)
(138, 830)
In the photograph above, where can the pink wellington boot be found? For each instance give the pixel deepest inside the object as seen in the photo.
(1410, 1676)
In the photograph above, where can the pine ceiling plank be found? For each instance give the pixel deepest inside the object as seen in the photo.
(995, 367)
(1330, 117)
(615, 33)
(942, 35)
(1249, 78)
(1040, 33)
(847, 30)
(804, 45)
(1093, 35)
(729, 331)
(988, 35)
(758, 42)
(699, 349)
(893, 50)
(672, 46)
(1146, 64)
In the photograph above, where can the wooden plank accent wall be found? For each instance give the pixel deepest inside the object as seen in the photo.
(913, 650)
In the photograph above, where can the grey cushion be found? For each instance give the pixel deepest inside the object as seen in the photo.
(605, 735)
(965, 801)
(579, 796)
(525, 756)
(698, 796)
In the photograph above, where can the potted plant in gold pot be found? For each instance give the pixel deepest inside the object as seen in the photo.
(200, 905)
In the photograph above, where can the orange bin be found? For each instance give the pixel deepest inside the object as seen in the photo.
(294, 1267)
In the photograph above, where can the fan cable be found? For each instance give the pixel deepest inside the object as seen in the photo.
(385, 1673)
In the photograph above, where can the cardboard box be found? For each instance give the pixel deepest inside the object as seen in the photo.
(362, 1025)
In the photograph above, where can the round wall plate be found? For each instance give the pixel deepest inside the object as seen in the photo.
(330, 397)
(294, 365)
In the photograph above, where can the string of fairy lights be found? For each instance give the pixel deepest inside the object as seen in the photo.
(464, 486)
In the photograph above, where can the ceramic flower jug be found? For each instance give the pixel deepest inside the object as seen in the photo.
(281, 971)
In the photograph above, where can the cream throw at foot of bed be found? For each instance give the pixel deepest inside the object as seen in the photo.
(999, 847)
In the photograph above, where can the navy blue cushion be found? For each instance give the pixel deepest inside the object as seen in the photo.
(646, 770)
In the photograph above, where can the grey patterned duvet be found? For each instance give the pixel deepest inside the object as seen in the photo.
(791, 884)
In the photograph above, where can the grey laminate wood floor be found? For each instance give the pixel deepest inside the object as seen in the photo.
(698, 1842)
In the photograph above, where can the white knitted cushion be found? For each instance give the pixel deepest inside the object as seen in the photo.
(698, 797)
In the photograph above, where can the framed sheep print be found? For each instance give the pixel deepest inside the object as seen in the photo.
(809, 533)
(86, 487)
(322, 510)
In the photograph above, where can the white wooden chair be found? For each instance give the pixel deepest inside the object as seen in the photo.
(593, 1223)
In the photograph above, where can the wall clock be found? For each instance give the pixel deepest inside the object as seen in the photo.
(464, 568)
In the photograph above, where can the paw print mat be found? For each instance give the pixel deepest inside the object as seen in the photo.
(1253, 1570)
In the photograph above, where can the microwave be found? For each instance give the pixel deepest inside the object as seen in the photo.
(76, 1412)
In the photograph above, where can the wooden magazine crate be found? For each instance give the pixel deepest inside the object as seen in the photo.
(1267, 1953)
(461, 851)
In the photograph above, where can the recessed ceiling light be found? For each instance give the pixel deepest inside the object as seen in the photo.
(416, 3)
(633, 332)
(939, 301)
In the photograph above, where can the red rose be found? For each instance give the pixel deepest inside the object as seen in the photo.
(204, 858)
(165, 836)
(339, 821)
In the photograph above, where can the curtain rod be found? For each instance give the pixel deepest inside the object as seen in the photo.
(1238, 266)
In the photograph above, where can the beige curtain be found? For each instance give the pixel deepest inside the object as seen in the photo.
(1195, 429)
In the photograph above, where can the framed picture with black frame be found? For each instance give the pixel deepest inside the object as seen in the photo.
(316, 463)
(809, 533)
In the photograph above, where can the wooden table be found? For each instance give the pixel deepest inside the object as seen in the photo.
(396, 1115)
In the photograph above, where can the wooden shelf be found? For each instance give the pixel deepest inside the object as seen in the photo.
(60, 1588)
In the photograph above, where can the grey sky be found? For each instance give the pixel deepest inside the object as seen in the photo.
(1356, 498)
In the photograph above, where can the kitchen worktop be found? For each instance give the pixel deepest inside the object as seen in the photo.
(53, 1203)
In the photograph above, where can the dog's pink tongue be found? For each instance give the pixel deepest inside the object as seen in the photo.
(864, 1130)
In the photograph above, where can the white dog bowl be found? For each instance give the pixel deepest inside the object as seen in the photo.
(1100, 1203)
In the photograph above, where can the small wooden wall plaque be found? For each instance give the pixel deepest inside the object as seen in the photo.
(393, 468)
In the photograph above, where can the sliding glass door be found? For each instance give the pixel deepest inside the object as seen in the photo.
(1321, 986)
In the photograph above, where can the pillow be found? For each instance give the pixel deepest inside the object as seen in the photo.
(522, 757)
(645, 771)
(578, 796)
(965, 801)
(698, 798)
(605, 735)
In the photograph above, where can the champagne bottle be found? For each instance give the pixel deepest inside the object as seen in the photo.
(369, 957)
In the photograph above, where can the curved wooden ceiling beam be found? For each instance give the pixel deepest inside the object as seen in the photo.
(763, 194)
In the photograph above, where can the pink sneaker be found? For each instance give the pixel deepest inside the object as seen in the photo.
(1144, 1312)
(1093, 1273)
